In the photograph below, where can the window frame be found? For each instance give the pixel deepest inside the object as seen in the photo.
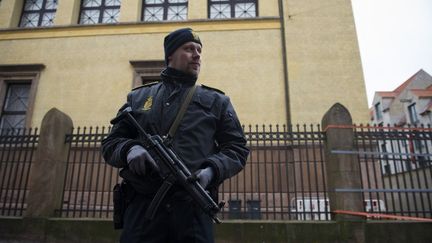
(146, 71)
(378, 111)
(23, 112)
(101, 10)
(41, 13)
(165, 6)
(412, 112)
(232, 4)
(20, 74)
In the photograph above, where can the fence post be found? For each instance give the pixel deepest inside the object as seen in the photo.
(49, 167)
(343, 169)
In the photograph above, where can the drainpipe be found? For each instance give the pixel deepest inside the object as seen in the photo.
(285, 63)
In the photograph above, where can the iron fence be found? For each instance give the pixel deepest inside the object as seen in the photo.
(284, 177)
(285, 167)
(17, 148)
(396, 169)
(88, 181)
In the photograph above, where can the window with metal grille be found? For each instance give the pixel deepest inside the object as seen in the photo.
(99, 11)
(15, 106)
(224, 9)
(38, 13)
(18, 85)
(160, 10)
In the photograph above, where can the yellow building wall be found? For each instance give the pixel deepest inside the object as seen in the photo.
(10, 12)
(247, 65)
(268, 8)
(324, 63)
(130, 11)
(67, 13)
(197, 9)
(88, 74)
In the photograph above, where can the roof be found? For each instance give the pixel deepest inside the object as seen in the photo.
(421, 93)
(427, 108)
(406, 83)
(402, 87)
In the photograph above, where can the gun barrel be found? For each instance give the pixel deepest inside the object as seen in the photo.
(182, 174)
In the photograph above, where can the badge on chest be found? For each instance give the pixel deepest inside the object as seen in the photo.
(148, 104)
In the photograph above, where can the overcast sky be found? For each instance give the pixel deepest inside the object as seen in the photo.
(395, 38)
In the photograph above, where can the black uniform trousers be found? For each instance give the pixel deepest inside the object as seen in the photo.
(176, 220)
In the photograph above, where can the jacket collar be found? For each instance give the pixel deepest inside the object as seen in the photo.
(173, 75)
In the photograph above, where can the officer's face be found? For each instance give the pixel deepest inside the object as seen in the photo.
(187, 58)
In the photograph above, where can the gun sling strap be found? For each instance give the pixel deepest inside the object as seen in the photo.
(168, 182)
(174, 170)
(181, 113)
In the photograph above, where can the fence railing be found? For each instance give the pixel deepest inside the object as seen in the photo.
(89, 180)
(17, 148)
(284, 178)
(396, 169)
(284, 166)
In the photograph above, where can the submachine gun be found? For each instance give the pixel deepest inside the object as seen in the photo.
(172, 170)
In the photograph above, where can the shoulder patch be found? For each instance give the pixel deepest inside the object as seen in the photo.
(211, 88)
(146, 85)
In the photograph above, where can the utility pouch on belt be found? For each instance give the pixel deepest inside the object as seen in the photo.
(120, 204)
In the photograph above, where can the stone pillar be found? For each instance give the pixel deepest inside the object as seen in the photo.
(343, 169)
(48, 170)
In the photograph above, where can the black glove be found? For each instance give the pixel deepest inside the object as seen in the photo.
(138, 158)
(205, 176)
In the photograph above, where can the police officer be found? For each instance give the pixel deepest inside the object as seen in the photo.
(209, 140)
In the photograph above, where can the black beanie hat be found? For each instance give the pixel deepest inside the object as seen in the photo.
(177, 38)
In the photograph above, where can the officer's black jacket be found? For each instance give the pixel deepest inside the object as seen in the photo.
(209, 134)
